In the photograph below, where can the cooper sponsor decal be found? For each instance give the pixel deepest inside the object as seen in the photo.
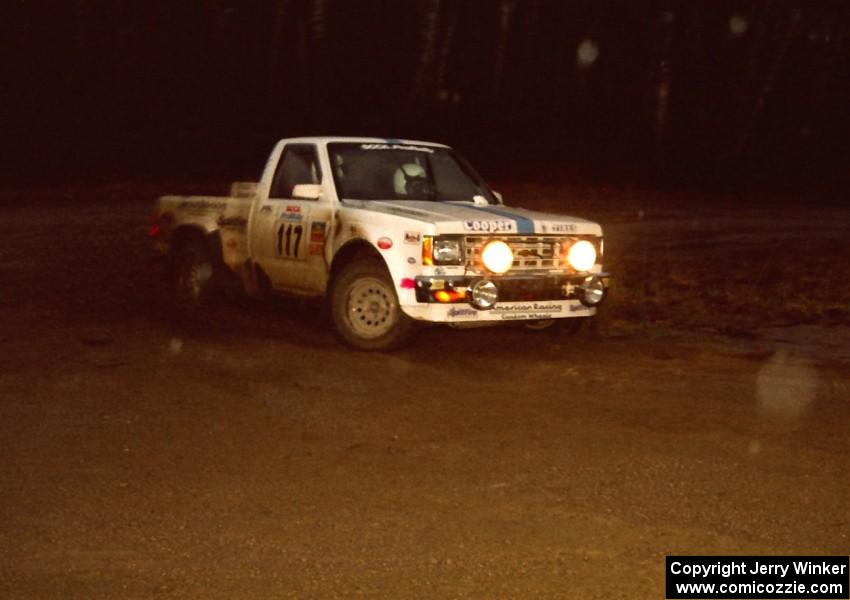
(520, 223)
(293, 209)
(412, 237)
(490, 226)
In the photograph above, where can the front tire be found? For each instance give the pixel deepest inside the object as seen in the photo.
(365, 310)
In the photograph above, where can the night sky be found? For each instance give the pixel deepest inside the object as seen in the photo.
(719, 93)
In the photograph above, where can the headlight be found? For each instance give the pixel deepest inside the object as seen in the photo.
(446, 252)
(497, 256)
(581, 255)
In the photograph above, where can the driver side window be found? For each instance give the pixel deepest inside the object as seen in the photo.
(298, 164)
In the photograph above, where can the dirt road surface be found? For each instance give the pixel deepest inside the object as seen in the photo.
(254, 457)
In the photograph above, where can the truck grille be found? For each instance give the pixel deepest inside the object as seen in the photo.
(531, 252)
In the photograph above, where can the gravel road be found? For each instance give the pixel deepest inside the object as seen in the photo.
(252, 456)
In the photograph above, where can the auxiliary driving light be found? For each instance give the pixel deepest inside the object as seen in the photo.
(581, 255)
(484, 294)
(498, 257)
(591, 291)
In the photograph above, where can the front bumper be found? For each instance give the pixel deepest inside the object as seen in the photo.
(520, 297)
(512, 288)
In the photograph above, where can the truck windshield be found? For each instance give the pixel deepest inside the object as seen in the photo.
(386, 171)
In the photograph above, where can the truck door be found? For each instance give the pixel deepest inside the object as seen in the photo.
(288, 233)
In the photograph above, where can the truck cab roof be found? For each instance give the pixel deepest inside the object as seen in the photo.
(325, 139)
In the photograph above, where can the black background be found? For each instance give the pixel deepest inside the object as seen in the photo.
(146, 90)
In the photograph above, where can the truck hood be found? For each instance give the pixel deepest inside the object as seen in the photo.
(467, 217)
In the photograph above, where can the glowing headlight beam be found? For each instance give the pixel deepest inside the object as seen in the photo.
(581, 255)
(497, 256)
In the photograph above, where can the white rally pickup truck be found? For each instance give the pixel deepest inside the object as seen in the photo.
(393, 232)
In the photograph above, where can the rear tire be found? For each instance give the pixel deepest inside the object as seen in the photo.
(192, 276)
(365, 310)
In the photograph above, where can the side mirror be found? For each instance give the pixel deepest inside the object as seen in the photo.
(307, 191)
(499, 197)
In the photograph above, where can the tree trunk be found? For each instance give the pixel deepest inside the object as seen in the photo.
(506, 11)
(442, 87)
(766, 85)
(275, 76)
(424, 78)
(664, 79)
(318, 21)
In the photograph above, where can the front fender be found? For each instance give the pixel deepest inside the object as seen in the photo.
(403, 257)
(396, 260)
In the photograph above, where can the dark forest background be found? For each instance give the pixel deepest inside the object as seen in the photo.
(704, 93)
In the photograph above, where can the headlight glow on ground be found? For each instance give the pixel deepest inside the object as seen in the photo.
(581, 255)
(497, 256)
